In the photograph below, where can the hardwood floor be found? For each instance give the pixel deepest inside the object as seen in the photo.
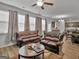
(71, 51)
(12, 53)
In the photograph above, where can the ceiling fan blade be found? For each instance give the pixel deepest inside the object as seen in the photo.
(34, 4)
(42, 7)
(48, 3)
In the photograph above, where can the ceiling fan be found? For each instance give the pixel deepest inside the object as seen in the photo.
(41, 3)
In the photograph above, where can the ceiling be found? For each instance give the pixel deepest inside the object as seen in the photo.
(60, 9)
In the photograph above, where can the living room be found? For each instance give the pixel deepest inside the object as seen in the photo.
(49, 31)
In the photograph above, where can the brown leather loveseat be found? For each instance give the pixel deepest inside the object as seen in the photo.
(27, 37)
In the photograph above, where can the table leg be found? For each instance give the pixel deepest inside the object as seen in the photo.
(43, 55)
(18, 56)
(34, 57)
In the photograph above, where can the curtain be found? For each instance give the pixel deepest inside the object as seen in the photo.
(26, 28)
(45, 25)
(13, 25)
(39, 25)
(10, 27)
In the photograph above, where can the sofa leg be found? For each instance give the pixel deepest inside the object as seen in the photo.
(57, 49)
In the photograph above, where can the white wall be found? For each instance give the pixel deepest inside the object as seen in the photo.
(49, 21)
(72, 20)
(61, 26)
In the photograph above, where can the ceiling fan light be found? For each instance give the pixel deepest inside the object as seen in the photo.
(39, 3)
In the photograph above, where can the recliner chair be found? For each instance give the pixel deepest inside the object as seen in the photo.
(52, 43)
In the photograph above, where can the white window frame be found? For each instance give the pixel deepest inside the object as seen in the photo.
(49, 27)
(4, 19)
(43, 24)
(21, 22)
(32, 24)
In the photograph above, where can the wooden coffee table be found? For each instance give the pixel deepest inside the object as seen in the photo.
(25, 52)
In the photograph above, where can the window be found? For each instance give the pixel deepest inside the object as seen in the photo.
(32, 22)
(4, 19)
(49, 27)
(43, 24)
(21, 21)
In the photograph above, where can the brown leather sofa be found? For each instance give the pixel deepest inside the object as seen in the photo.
(52, 42)
(75, 39)
(23, 38)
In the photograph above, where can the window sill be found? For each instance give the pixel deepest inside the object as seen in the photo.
(3, 33)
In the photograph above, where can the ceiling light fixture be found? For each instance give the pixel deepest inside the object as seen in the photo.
(61, 16)
(39, 3)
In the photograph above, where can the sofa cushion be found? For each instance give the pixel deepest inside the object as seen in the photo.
(51, 35)
(48, 42)
(22, 34)
(28, 36)
(25, 33)
(52, 43)
(33, 33)
(52, 38)
(54, 33)
(44, 41)
(31, 38)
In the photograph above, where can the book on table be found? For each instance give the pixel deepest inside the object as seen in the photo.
(37, 48)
